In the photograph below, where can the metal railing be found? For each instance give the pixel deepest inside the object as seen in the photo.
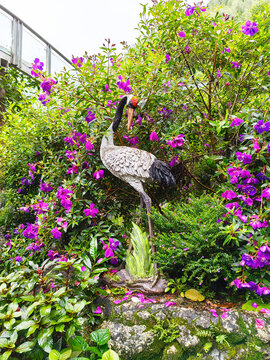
(20, 45)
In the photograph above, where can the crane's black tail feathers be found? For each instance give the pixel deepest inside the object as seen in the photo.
(161, 172)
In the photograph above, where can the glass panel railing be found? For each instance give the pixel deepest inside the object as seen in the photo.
(5, 32)
(58, 63)
(32, 48)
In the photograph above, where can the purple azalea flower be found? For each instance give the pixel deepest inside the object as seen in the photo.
(167, 58)
(166, 113)
(83, 268)
(124, 85)
(92, 211)
(90, 116)
(98, 174)
(266, 194)
(77, 61)
(18, 259)
(108, 252)
(31, 231)
(174, 160)
(47, 84)
(53, 254)
(177, 141)
(182, 34)
(218, 74)
(187, 49)
(235, 64)
(37, 65)
(154, 136)
(56, 233)
(169, 303)
(233, 205)
(249, 28)
(44, 99)
(227, 50)
(236, 122)
(229, 195)
(98, 310)
(89, 146)
(246, 158)
(250, 190)
(46, 187)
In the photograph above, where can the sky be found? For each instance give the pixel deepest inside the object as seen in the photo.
(76, 26)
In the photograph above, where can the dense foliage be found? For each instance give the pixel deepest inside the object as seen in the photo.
(191, 246)
(205, 85)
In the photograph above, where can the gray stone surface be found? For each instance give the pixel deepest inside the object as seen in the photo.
(185, 338)
(136, 330)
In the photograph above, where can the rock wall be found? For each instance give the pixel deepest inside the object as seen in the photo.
(156, 332)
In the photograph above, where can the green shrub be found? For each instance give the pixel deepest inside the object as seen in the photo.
(190, 244)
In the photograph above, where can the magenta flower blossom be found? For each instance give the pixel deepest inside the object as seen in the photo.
(187, 49)
(227, 50)
(174, 160)
(218, 74)
(56, 233)
(235, 64)
(89, 146)
(249, 28)
(154, 136)
(266, 194)
(92, 211)
(256, 145)
(98, 174)
(47, 84)
(167, 58)
(37, 65)
(18, 259)
(46, 187)
(90, 116)
(169, 303)
(44, 99)
(98, 310)
(124, 85)
(229, 195)
(191, 9)
(77, 61)
(182, 34)
(31, 231)
(214, 313)
(259, 323)
(177, 142)
(83, 268)
(246, 158)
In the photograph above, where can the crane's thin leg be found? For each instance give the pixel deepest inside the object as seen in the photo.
(139, 215)
(137, 185)
(148, 204)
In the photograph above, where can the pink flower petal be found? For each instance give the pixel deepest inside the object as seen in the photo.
(169, 303)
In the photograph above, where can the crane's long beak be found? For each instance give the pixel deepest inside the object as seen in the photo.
(130, 112)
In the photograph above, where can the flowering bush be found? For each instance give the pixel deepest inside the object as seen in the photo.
(204, 81)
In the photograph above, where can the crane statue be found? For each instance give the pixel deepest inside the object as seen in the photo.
(132, 165)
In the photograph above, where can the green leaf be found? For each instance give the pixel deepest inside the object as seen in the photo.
(59, 292)
(54, 355)
(101, 336)
(87, 262)
(93, 248)
(45, 310)
(6, 355)
(64, 318)
(79, 306)
(32, 329)
(26, 346)
(25, 325)
(110, 355)
(65, 354)
(60, 328)
(4, 342)
(78, 343)
(45, 340)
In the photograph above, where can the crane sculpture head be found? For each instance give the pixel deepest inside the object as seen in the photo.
(131, 102)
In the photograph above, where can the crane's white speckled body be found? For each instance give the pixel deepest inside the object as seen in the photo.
(131, 165)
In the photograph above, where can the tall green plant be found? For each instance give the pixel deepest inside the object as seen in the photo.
(139, 263)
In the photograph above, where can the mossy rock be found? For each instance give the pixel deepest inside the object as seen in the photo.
(172, 352)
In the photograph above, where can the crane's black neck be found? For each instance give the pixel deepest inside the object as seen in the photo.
(119, 113)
